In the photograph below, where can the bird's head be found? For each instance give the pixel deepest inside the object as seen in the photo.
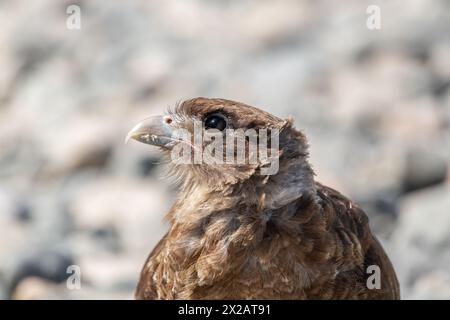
(221, 143)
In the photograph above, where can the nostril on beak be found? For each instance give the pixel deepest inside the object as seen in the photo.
(167, 119)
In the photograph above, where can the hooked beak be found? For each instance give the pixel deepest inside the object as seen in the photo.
(155, 130)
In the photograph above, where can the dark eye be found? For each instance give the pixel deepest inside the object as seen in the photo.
(215, 121)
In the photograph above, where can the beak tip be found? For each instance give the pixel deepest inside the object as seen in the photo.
(127, 138)
(131, 134)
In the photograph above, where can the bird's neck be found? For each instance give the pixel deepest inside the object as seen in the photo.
(200, 197)
(252, 200)
(223, 227)
(217, 228)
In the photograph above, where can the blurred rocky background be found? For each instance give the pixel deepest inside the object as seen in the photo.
(374, 103)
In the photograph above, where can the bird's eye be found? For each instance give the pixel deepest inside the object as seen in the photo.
(215, 121)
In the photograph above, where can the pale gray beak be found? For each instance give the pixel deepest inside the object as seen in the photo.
(155, 130)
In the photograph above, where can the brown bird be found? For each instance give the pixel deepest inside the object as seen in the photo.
(239, 233)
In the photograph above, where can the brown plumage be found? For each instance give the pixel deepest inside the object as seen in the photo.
(237, 234)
